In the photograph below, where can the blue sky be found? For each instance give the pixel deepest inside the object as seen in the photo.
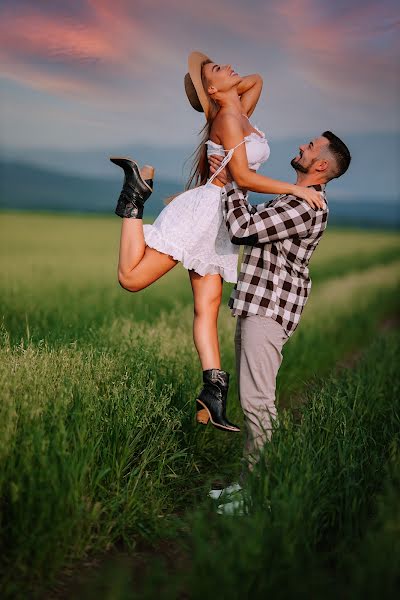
(98, 73)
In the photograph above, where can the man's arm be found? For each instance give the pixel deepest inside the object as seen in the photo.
(247, 225)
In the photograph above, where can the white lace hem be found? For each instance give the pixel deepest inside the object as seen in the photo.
(155, 240)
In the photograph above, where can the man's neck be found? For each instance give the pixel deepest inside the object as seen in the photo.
(306, 180)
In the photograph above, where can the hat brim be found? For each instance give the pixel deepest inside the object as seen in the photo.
(195, 60)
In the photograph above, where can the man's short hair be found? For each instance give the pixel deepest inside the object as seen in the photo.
(340, 152)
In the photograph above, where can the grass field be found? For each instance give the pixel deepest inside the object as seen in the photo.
(98, 444)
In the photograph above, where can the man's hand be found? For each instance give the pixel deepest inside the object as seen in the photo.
(214, 162)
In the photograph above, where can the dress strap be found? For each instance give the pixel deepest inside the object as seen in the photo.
(225, 161)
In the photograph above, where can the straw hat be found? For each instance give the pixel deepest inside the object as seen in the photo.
(194, 88)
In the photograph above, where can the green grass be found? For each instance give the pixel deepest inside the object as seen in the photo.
(321, 482)
(323, 515)
(371, 564)
(59, 283)
(98, 444)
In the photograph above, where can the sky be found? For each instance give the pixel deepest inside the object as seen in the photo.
(98, 73)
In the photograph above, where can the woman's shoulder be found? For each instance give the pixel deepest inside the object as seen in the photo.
(225, 119)
(229, 116)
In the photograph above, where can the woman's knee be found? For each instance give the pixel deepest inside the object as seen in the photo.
(129, 283)
(207, 306)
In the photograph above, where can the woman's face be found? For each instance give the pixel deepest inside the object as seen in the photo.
(219, 78)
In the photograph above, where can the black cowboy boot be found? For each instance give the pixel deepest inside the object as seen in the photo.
(211, 402)
(135, 191)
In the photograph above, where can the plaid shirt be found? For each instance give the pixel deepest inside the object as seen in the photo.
(279, 237)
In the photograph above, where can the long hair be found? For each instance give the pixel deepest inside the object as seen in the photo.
(199, 171)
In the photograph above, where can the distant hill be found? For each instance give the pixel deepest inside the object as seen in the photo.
(25, 186)
(374, 168)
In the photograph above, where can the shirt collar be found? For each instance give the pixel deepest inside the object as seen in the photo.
(320, 187)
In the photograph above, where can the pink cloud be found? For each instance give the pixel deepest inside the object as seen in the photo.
(40, 35)
(342, 53)
(70, 55)
(338, 53)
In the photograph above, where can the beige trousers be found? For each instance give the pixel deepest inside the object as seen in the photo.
(258, 345)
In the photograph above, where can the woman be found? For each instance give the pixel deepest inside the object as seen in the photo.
(191, 229)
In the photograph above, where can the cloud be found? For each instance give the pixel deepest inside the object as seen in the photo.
(351, 52)
(343, 51)
(73, 54)
(336, 61)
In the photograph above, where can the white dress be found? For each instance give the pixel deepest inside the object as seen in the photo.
(192, 229)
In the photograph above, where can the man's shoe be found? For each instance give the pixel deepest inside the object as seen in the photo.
(239, 505)
(135, 190)
(216, 494)
(236, 506)
(233, 509)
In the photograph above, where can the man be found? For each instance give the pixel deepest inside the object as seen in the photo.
(273, 284)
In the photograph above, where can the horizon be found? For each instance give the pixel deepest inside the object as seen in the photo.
(373, 171)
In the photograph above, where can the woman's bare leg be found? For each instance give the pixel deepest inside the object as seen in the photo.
(207, 294)
(151, 267)
(139, 265)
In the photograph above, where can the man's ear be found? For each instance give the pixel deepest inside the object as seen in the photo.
(322, 165)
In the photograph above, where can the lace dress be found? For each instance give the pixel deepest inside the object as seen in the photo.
(192, 229)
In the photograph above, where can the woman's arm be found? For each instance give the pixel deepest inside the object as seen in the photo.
(230, 133)
(249, 90)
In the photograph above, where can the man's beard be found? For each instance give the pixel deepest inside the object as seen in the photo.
(298, 167)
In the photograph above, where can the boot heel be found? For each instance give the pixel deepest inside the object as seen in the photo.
(202, 415)
(211, 402)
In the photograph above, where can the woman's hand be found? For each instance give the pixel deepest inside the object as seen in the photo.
(311, 196)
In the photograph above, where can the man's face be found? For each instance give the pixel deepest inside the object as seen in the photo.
(309, 153)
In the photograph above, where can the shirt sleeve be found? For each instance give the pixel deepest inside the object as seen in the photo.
(250, 226)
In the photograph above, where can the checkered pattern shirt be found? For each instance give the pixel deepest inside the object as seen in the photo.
(279, 237)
